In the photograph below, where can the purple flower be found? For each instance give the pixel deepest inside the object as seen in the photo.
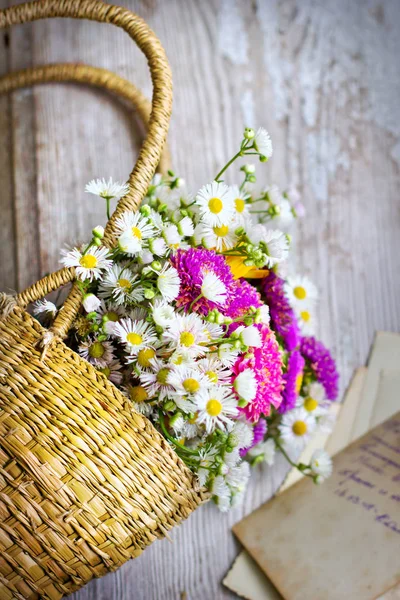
(259, 431)
(191, 265)
(283, 318)
(293, 379)
(321, 363)
(243, 297)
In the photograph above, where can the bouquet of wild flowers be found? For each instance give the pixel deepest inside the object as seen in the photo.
(191, 318)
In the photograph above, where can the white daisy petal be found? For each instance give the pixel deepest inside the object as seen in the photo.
(213, 288)
(168, 283)
(216, 204)
(107, 189)
(88, 265)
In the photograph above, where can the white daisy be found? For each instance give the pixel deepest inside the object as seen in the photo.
(91, 303)
(227, 354)
(163, 313)
(88, 265)
(216, 204)
(135, 334)
(184, 429)
(158, 246)
(263, 313)
(168, 283)
(221, 493)
(107, 189)
(120, 285)
(216, 406)
(109, 314)
(113, 371)
(207, 461)
(143, 358)
(96, 352)
(241, 434)
(236, 476)
(187, 332)
(314, 401)
(241, 208)
(139, 396)
(213, 288)
(326, 422)
(216, 372)
(213, 331)
(262, 142)
(45, 307)
(307, 320)
(250, 336)
(264, 450)
(220, 237)
(284, 216)
(135, 224)
(245, 385)
(171, 236)
(186, 227)
(277, 246)
(155, 380)
(187, 381)
(321, 465)
(296, 427)
(301, 292)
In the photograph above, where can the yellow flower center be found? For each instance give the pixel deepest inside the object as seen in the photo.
(134, 339)
(138, 394)
(137, 233)
(310, 404)
(145, 356)
(213, 407)
(112, 316)
(299, 292)
(106, 371)
(96, 350)
(212, 376)
(191, 385)
(88, 261)
(239, 205)
(162, 375)
(178, 360)
(187, 339)
(299, 428)
(305, 315)
(221, 231)
(125, 284)
(299, 381)
(215, 205)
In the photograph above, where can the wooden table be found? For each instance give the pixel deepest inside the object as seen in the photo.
(324, 78)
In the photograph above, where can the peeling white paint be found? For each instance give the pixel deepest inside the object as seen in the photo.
(395, 152)
(325, 155)
(232, 36)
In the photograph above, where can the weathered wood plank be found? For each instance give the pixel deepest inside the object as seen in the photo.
(324, 80)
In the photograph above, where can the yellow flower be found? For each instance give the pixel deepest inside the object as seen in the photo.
(239, 269)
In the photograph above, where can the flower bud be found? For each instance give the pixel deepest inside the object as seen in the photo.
(156, 265)
(96, 241)
(91, 303)
(252, 178)
(249, 169)
(169, 405)
(145, 210)
(149, 294)
(98, 232)
(249, 133)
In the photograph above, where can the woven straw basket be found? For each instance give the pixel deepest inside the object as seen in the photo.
(85, 482)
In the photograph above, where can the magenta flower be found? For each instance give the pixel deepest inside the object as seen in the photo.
(283, 319)
(191, 265)
(243, 297)
(320, 361)
(293, 378)
(266, 364)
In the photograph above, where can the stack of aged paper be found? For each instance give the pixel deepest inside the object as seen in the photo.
(341, 532)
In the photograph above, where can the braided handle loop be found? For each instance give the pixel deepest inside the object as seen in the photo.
(150, 153)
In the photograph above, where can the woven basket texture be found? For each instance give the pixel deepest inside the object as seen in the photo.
(85, 482)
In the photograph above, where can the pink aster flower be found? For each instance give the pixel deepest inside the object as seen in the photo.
(320, 361)
(266, 364)
(293, 378)
(192, 265)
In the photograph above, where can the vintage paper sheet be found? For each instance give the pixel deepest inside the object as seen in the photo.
(245, 577)
(341, 539)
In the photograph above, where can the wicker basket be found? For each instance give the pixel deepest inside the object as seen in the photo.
(85, 482)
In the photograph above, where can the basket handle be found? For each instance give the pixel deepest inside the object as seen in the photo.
(94, 76)
(150, 153)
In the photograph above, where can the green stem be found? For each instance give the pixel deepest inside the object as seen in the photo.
(170, 438)
(194, 302)
(108, 207)
(228, 164)
(293, 464)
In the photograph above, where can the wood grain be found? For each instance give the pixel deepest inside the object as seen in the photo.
(323, 78)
